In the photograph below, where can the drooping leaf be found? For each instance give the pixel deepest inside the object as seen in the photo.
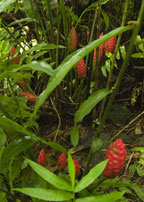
(49, 176)
(91, 176)
(37, 66)
(111, 197)
(89, 104)
(46, 194)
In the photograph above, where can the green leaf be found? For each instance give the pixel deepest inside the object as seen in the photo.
(46, 194)
(111, 197)
(106, 18)
(123, 52)
(91, 176)
(137, 55)
(70, 61)
(13, 149)
(22, 20)
(50, 177)
(5, 4)
(37, 66)
(71, 169)
(74, 136)
(89, 104)
(43, 46)
(96, 144)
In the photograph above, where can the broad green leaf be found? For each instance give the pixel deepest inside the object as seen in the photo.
(91, 176)
(111, 197)
(74, 136)
(137, 55)
(46, 194)
(50, 177)
(71, 169)
(37, 66)
(89, 104)
(5, 4)
(70, 61)
(14, 148)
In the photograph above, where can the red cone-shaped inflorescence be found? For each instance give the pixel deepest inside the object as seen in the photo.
(42, 157)
(12, 52)
(101, 47)
(62, 161)
(81, 68)
(116, 154)
(77, 167)
(109, 45)
(30, 97)
(73, 39)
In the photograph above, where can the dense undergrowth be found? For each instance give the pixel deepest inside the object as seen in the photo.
(71, 75)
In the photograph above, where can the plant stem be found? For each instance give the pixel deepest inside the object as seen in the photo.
(118, 81)
(114, 58)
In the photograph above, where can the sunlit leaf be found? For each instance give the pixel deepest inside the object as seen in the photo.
(91, 176)
(49, 176)
(46, 194)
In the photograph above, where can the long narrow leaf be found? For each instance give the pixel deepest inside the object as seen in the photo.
(49, 176)
(46, 194)
(91, 176)
(112, 197)
(70, 61)
(89, 104)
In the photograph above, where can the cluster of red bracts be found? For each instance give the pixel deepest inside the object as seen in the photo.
(116, 154)
(108, 46)
(62, 161)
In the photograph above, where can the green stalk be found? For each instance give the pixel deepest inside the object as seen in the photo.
(119, 79)
(51, 23)
(65, 24)
(114, 58)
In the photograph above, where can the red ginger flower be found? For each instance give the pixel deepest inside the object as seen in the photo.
(12, 52)
(109, 45)
(77, 167)
(42, 157)
(73, 39)
(62, 162)
(81, 68)
(116, 154)
(30, 97)
(101, 47)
